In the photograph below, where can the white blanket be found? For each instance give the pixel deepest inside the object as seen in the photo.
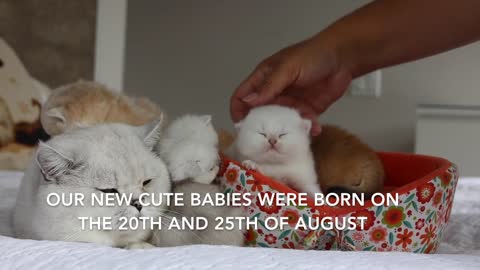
(459, 250)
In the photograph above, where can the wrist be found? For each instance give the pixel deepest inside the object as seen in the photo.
(337, 44)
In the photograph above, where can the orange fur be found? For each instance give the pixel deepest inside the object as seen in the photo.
(225, 139)
(343, 161)
(86, 103)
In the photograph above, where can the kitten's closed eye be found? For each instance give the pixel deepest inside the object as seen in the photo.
(282, 135)
(146, 182)
(108, 190)
(263, 134)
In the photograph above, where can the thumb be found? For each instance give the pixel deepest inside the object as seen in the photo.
(274, 83)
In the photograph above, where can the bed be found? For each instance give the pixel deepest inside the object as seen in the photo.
(460, 248)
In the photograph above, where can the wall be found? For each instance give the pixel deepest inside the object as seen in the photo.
(53, 38)
(190, 55)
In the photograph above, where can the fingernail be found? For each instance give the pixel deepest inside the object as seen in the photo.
(251, 97)
(316, 130)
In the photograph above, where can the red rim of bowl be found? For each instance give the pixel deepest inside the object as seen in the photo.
(442, 166)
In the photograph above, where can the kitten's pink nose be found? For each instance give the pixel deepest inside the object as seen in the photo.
(272, 141)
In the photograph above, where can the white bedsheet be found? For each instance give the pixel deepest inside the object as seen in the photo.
(459, 250)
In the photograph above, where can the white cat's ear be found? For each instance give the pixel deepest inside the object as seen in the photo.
(238, 125)
(207, 119)
(57, 114)
(307, 125)
(153, 132)
(52, 163)
(53, 120)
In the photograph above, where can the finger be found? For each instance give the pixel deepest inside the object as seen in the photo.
(246, 91)
(316, 128)
(238, 109)
(280, 77)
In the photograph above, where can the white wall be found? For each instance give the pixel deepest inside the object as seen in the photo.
(190, 55)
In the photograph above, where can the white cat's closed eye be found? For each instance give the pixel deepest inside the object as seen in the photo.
(146, 182)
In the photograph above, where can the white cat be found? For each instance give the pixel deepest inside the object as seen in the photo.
(210, 236)
(189, 146)
(111, 158)
(275, 141)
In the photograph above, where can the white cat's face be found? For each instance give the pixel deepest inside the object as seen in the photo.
(112, 158)
(193, 160)
(272, 134)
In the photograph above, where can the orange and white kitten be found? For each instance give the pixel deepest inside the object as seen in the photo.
(86, 103)
(344, 164)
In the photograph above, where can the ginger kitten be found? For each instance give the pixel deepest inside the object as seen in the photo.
(344, 164)
(86, 103)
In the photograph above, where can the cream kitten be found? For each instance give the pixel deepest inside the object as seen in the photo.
(189, 146)
(110, 158)
(86, 103)
(174, 237)
(275, 141)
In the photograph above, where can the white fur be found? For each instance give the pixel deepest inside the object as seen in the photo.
(83, 161)
(190, 148)
(291, 162)
(175, 237)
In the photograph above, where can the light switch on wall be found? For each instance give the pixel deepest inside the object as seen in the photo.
(369, 85)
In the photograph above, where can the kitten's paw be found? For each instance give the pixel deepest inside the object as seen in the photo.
(312, 190)
(207, 178)
(139, 245)
(250, 165)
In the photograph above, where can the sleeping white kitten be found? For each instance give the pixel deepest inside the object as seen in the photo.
(275, 141)
(113, 158)
(195, 161)
(189, 146)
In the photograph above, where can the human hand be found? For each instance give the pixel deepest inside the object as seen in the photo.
(307, 76)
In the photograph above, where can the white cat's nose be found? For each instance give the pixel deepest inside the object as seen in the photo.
(272, 141)
(136, 203)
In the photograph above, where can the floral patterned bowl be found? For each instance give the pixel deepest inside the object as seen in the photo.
(425, 187)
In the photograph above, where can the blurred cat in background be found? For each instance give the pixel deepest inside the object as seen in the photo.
(6, 124)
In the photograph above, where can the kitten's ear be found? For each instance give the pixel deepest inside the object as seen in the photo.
(54, 121)
(307, 124)
(207, 119)
(57, 114)
(52, 163)
(238, 125)
(152, 132)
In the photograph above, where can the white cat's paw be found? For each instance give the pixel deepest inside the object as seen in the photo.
(139, 245)
(250, 165)
(207, 178)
